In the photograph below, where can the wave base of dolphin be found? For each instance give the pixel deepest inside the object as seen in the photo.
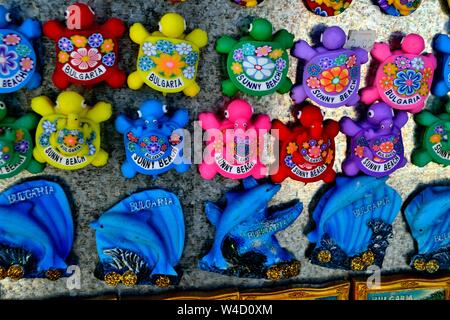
(245, 244)
(141, 239)
(428, 216)
(36, 230)
(354, 223)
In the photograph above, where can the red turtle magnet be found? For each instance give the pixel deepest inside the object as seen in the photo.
(86, 53)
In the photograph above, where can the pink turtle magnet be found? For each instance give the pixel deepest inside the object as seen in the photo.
(86, 53)
(235, 143)
(404, 76)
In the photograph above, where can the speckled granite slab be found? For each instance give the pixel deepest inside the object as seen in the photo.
(95, 190)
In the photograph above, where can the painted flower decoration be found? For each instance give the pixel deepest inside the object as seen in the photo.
(65, 44)
(192, 58)
(109, 59)
(7, 60)
(12, 39)
(169, 65)
(165, 46)
(92, 150)
(281, 64)
(387, 146)
(19, 135)
(408, 82)
(153, 148)
(48, 126)
(236, 67)
(248, 49)
(26, 64)
(63, 57)
(386, 82)
(313, 82)
(23, 50)
(95, 40)
(291, 148)
(351, 61)
(340, 60)
(435, 138)
(79, 41)
(314, 151)
(418, 63)
(131, 137)
(175, 139)
(145, 63)
(314, 70)
(288, 161)
(258, 68)
(84, 58)
(263, 51)
(326, 63)
(439, 129)
(189, 72)
(44, 140)
(320, 12)
(149, 49)
(183, 48)
(359, 151)
(238, 55)
(329, 158)
(107, 46)
(390, 69)
(354, 72)
(70, 140)
(427, 74)
(424, 89)
(335, 79)
(402, 63)
(275, 54)
(22, 146)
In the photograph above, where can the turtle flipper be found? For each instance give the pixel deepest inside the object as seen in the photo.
(35, 166)
(192, 90)
(285, 38)
(135, 81)
(228, 88)
(285, 86)
(38, 156)
(138, 33)
(101, 112)
(35, 81)
(420, 157)
(28, 121)
(100, 159)
(224, 44)
(199, 37)
(42, 105)
(440, 88)
(127, 170)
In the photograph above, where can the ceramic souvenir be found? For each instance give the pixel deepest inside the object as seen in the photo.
(245, 244)
(256, 64)
(376, 143)
(153, 142)
(68, 135)
(327, 8)
(307, 149)
(403, 78)
(167, 59)
(16, 144)
(399, 7)
(140, 240)
(428, 216)
(354, 223)
(435, 140)
(18, 61)
(36, 231)
(235, 143)
(86, 53)
(332, 74)
(441, 85)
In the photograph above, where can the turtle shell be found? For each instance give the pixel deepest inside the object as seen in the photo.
(86, 56)
(257, 68)
(64, 148)
(21, 151)
(332, 79)
(168, 65)
(436, 142)
(404, 81)
(17, 60)
(328, 8)
(387, 153)
(153, 153)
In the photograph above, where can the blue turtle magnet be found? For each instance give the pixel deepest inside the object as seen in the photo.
(354, 223)
(428, 216)
(245, 244)
(18, 59)
(140, 240)
(36, 231)
(153, 142)
(441, 85)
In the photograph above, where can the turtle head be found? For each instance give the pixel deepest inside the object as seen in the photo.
(73, 121)
(333, 38)
(240, 113)
(172, 25)
(79, 16)
(151, 111)
(2, 110)
(260, 29)
(311, 117)
(413, 44)
(69, 102)
(382, 115)
(5, 17)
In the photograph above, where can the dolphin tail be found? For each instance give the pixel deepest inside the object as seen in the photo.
(213, 212)
(51, 261)
(163, 267)
(214, 259)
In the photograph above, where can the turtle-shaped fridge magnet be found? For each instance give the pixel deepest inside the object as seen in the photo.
(327, 8)
(154, 142)
(376, 143)
(168, 59)
(332, 74)
(256, 64)
(86, 53)
(16, 144)
(399, 7)
(307, 149)
(435, 139)
(68, 135)
(18, 61)
(441, 85)
(403, 78)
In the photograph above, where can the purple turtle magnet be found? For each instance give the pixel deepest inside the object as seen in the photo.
(376, 144)
(332, 73)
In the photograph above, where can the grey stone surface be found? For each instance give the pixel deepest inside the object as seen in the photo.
(94, 190)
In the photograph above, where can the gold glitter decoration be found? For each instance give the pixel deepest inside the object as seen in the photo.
(324, 256)
(368, 258)
(15, 272)
(432, 266)
(129, 278)
(162, 281)
(53, 274)
(3, 273)
(291, 269)
(274, 273)
(113, 278)
(357, 264)
(419, 264)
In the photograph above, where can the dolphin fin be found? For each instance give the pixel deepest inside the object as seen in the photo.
(250, 183)
(213, 212)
